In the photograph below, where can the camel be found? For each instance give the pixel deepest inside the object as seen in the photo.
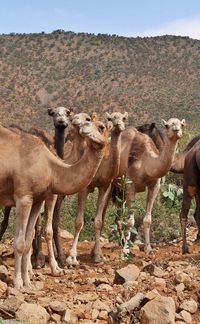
(145, 165)
(34, 175)
(61, 121)
(107, 171)
(191, 189)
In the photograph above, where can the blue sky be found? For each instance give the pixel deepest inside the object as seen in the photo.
(125, 17)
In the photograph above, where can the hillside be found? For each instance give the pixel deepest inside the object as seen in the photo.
(151, 78)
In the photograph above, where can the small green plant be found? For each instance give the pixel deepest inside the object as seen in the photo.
(172, 195)
(123, 230)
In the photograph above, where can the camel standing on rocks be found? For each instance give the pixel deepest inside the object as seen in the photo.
(191, 189)
(108, 170)
(61, 121)
(35, 175)
(145, 165)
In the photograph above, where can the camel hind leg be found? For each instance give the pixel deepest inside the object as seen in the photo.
(49, 207)
(4, 223)
(102, 203)
(72, 258)
(151, 196)
(23, 208)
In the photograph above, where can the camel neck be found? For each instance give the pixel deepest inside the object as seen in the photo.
(78, 146)
(69, 179)
(157, 166)
(113, 160)
(178, 162)
(59, 141)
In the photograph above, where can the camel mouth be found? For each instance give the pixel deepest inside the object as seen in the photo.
(95, 139)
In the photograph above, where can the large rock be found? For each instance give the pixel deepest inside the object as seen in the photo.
(189, 305)
(58, 307)
(159, 310)
(3, 273)
(129, 273)
(3, 288)
(12, 304)
(32, 314)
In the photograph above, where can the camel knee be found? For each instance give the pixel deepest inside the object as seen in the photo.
(98, 224)
(147, 221)
(79, 224)
(48, 234)
(19, 246)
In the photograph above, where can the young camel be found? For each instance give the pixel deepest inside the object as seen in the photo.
(35, 175)
(107, 171)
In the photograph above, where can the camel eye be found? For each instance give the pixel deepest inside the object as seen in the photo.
(109, 119)
(124, 119)
(88, 119)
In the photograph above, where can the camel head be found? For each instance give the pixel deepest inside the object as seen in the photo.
(61, 116)
(79, 119)
(174, 128)
(117, 121)
(95, 133)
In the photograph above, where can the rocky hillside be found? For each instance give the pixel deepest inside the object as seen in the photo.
(151, 78)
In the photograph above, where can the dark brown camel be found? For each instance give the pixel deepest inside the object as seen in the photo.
(191, 189)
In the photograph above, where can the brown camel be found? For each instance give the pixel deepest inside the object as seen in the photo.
(191, 189)
(145, 165)
(34, 175)
(107, 171)
(61, 121)
(72, 151)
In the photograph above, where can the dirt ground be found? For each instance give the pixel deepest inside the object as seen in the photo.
(87, 278)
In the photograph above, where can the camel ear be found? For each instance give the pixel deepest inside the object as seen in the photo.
(94, 117)
(164, 123)
(125, 116)
(152, 126)
(108, 116)
(51, 112)
(183, 123)
(70, 112)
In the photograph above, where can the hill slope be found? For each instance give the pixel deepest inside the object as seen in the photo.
(151, 78)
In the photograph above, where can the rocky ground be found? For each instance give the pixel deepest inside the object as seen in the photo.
(161, 288)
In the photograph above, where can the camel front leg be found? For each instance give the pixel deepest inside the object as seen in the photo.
(49, 207)
(102, 203)
(151, 196)
(28, 243)
(183, 218)
(38, 256)
(197, 215)
(23, 208)
(56, 232)
(4, 223)
(82, 196)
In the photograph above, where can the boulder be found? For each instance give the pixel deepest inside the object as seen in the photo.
(32, 314)
(159, 310)
(189, 305)
(126, 274)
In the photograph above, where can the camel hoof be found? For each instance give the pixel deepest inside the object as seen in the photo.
(57, 272)
(62, 261)
(18, 283)
(148, 250)
(99, 258)
(185, 250)
(72, 261)
(38, 262)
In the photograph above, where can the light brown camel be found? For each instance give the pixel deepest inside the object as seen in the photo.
(145, 165)
(34, 175)
(61, 121)
(138, 154)
(71, 152)
(107, 171)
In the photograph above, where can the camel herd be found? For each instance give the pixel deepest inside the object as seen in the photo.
(84, 154)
